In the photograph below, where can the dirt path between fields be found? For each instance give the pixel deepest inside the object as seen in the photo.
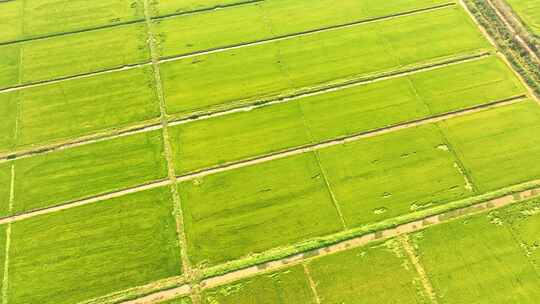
(400, 230)
(413, 258)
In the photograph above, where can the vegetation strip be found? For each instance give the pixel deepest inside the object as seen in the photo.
(500, 36)
(86, 201)
(222, 49)
(413, 257)
(351, 138)
(262, 159)
(5, 279)
(312, 284)
(492, 202)
(209, 9)
(247, 107)
(306, 33)
(167, 146)
(513, 30)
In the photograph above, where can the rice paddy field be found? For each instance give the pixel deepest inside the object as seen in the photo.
(262, 152)
(529, 12)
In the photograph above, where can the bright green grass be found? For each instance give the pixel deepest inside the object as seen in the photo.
(256, 74)
(362, 108)
(499, 147)
(268, 70)
(280, 287)
(168, 7)
(477, 260)
(73, 54)
(184, 34)
(93, 250)
(231, 214)
(184, 300)
(61, 176)
(283, 14)
(2, 254)
(363, 275)
(446, 32)
(8, 121)
(467, 84)
(210, 142)
(529, 12)
(40, 18)
(10, 14)
(214, 141)
(393, 174)
(268, 19)
(82, 106)
(9, 65)
(5, 188)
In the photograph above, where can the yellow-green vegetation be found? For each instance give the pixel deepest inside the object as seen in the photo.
(5, 188)
(393, 174)
(78, 107)
(498, 147)
(529, 12)
(285, 286)
(183, 300)
(61, 176)
(363, 275)
(88, 251)
(171, 7)
(286, 66)
(235, 213)
(466, 85)
(8, 123)
(269, 19)
(237, 136)
(26, 19)
(480, 259)
(348, 111)
(74, 54)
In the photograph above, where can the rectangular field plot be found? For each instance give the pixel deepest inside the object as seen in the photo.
(393, 174)
(285, 67)
(2, 254)
(446, 32)
(529, 12)
(8, 122)
(171, 7)
(5, 188)
(467, 84)
(232, 214)
(79, 107)
(374, 274)
(388, 102)
(73, 54)
(228, 138)
(284, 286)
(10, 14)
(268, 19)
(477, 260)
(65, 175)
(39, 18)
(90, 251)
(499, 147)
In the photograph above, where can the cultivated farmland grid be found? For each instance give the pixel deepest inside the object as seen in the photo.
(229, 151)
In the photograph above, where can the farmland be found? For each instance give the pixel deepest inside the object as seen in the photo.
(264, 151)
(529, 12)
